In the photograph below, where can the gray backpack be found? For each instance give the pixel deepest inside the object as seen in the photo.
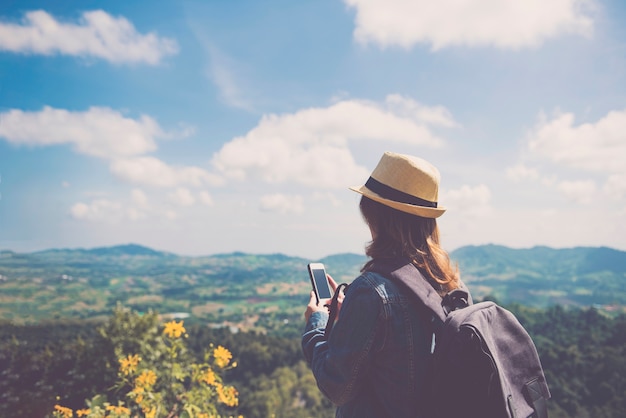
(484, 362)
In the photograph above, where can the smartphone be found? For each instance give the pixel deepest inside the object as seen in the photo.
(320, 284)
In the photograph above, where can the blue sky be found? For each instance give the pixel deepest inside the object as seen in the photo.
(203, 127)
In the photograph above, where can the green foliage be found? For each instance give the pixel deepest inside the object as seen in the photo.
(56, 305)
(583, 353)
(94, 368)
(157, 375)
(35, 359)
(289, 392)
(584, 357)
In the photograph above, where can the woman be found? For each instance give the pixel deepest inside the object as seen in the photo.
(374, 362)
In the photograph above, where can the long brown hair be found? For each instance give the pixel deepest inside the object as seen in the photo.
(396, 233)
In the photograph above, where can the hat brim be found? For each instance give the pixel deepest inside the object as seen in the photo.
(423, 211)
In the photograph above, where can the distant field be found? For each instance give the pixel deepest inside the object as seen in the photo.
(265, 290)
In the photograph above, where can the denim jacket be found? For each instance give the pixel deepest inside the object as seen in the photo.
(376, 358)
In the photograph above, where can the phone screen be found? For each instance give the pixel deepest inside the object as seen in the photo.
(318, 276)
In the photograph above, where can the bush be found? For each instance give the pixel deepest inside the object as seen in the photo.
(157, 376)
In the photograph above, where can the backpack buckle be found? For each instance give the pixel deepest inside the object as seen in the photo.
(456, 299)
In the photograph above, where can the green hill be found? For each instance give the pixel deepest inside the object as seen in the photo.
(264, 291)
(542, 276)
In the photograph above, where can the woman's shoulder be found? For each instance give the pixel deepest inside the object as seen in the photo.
(375, 284)
(369, 279)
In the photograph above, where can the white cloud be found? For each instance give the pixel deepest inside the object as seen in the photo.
(135, 207)
(521, 172)
(444, 23)
(79, 210)
(615, 186)
(597, 147)
(223, 75)
(223, 70)
(310, 147)
(282, 203)
(431, 115)
(99, 131)
(185, 131)
(205, 198)
(139, 198)
(469, 200)
(578, 191)
(327, 197)
(106, 133)
(151, 171)
(99, 210)
(97, 34)
(182, 197)
(135, 214)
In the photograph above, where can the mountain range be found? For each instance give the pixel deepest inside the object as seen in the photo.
(263, 290)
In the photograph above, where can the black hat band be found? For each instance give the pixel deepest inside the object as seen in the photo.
(396, 195)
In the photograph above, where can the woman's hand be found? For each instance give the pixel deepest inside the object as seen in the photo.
(313, 306)
(334, 285)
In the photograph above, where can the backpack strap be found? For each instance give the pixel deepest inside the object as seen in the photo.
(402, 271)
(535, 396)
(333, 308)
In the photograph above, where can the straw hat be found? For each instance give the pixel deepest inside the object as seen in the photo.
(408, 184)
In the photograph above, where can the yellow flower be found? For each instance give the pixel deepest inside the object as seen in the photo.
(208, 377)
(129, 364)
(118, 409)
(65, 412)
(149, 413)
(137, 392)
(222, 356)
(227, 395)
(83, 412)
(174, 329)
(146, 379)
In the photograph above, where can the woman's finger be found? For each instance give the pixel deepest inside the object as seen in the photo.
(332, 282)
